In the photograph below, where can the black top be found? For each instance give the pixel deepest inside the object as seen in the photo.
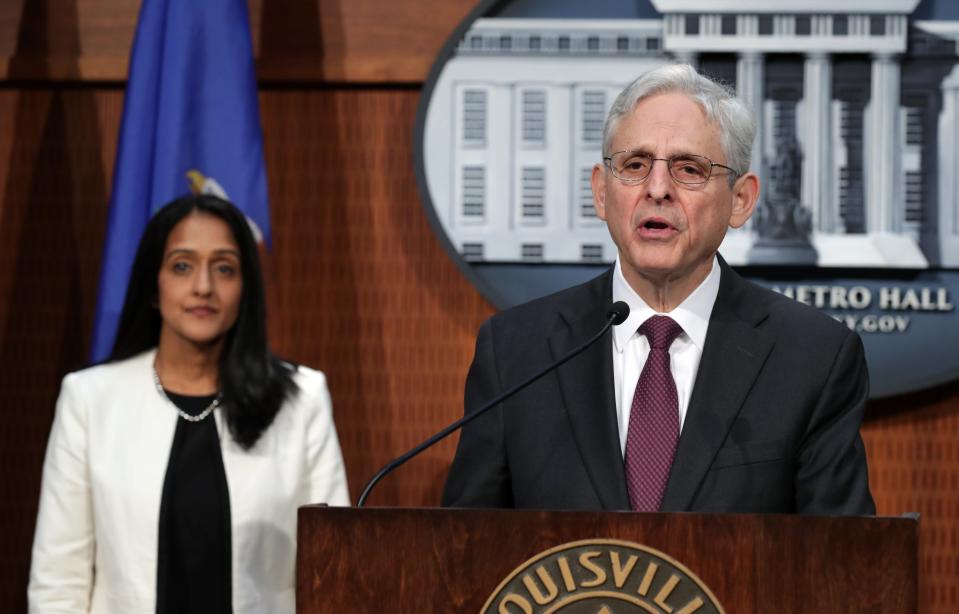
(193, 562)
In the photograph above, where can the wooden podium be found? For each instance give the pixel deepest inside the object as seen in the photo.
(444, 560)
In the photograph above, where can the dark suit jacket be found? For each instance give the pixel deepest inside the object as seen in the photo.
(772, 424)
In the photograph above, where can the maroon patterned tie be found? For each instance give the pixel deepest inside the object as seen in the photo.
(653, 419)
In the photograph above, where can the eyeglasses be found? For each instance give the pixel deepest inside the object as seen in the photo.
(687, 169)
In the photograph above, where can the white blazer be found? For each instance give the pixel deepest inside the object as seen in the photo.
(95, 547)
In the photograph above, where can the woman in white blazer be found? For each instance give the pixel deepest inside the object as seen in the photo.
(174, 470)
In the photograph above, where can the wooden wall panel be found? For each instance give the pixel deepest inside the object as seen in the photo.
(361, 287)
(913, 448)
(52, 146)
(294, 40)
(66, 39)
(340, 40)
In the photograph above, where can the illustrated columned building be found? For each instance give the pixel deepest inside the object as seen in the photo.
(813, 28)
(514, 129)
(514, 124)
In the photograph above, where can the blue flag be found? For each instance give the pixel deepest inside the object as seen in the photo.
(190, 119)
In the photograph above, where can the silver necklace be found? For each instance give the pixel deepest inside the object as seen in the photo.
(188, 417)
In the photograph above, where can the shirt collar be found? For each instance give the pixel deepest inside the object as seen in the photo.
(692, 314)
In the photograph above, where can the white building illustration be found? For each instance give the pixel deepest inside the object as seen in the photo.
(514, 126)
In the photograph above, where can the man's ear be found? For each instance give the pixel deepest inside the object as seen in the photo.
(745, 197)
(598, 182)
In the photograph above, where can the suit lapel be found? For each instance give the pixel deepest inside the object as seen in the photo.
(586, 385)
(734, 353)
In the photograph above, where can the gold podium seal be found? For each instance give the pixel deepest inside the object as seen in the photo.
(602, 576)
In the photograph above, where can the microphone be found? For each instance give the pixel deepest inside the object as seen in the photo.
(615, 315)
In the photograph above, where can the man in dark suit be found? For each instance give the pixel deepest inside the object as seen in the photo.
(715, 395)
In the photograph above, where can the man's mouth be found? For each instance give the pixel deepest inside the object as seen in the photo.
(656, 228)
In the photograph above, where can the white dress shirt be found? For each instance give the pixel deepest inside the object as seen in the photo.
(630, 349)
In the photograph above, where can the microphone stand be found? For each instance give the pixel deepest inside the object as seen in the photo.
(616, 315)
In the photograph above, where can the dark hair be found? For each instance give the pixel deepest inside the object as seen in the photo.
(254, 383)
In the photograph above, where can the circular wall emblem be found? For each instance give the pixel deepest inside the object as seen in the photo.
(859, 206)
(601, 576)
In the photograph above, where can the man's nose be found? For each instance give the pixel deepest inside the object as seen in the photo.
(659, 184)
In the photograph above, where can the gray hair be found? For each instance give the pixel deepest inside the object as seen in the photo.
(737, 126)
